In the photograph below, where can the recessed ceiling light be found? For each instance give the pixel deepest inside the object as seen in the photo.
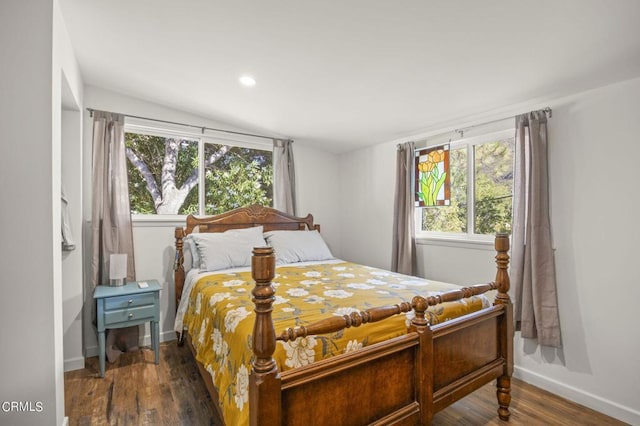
(247, 80)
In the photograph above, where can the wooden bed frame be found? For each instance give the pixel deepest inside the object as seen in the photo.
(404, 380)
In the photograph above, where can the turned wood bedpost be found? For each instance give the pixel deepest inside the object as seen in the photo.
(506, 328)
(178, 274)
(265, 407)
(425, 365)
(502, 274)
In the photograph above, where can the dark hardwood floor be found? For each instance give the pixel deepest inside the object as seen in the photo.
(135, 391)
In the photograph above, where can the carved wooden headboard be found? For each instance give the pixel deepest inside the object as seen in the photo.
(243, 217)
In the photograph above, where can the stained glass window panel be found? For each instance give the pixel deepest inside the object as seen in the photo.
(432, 186)
(451, 218)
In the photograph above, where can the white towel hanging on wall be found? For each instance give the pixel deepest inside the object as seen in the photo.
(68, 242)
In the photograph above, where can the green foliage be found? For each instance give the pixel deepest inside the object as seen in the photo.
(494, 187)
(139, 198)
(242, 177)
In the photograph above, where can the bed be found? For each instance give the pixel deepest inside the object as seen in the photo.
(327, 359)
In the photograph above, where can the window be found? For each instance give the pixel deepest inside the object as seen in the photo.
(481, 173)
(179, 174)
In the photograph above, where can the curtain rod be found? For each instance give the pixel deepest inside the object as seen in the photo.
(460, 131)
(547, 111)
(202, 128)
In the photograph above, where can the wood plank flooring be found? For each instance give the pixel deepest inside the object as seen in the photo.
(135, 391)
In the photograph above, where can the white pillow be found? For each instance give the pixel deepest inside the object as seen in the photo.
(298, 246)
(230, 249)
(187, 258)
(190, 253)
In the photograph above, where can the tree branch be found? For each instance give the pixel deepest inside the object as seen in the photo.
(192, 180)
(171, 148)
(216, 155)
(141, 166)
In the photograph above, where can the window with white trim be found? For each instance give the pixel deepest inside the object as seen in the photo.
(481, 176)
(176, 173)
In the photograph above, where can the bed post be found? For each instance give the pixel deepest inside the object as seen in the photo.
(425, 368)
(178, 274)
(265, 407)
(506, 327)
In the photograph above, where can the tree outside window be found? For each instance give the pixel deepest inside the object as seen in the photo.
(493, 186)
(164, 175)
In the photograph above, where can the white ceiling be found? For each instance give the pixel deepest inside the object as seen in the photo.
(348, 73)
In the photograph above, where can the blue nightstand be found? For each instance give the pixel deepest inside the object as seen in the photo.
(128, 305)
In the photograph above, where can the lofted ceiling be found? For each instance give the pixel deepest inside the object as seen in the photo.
(350, 73)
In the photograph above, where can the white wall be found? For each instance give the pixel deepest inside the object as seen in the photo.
(316, 180)
(367, 181)
(594, 200)
(27, 310)
(72, 278)
(30, 170)
(67, 152)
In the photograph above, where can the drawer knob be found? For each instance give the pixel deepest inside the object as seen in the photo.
(130, 301)
(130, 315)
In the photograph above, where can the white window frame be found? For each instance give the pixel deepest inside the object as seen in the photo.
(141, 127)
(467, 239)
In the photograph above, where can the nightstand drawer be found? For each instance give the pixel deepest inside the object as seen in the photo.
(129, 314)
(129, 301)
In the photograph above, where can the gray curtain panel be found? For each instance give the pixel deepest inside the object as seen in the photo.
(111, 230)
(284, 183)
(533, 275)
(403, 254)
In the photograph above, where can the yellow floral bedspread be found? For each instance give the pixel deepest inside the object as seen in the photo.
(220, 319)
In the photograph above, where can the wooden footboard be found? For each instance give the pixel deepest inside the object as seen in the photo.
(405, 380)
(376, 384)
(400, 381)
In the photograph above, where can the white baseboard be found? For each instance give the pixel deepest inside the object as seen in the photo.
(610, 408)
(165, 336)
(73, 364)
